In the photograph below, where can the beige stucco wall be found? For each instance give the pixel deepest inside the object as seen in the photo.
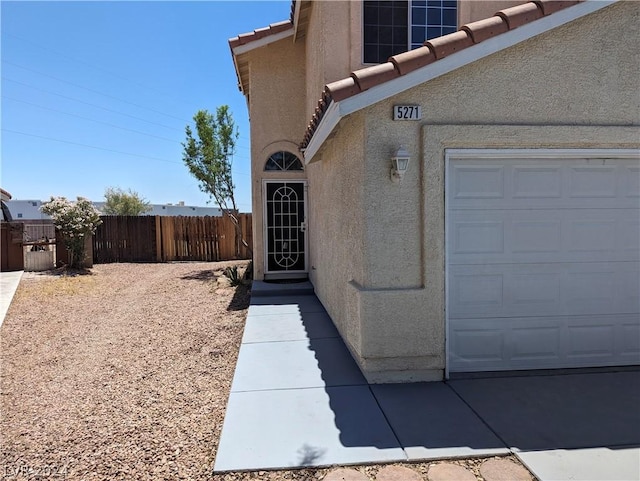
(277, 121)
(574, 87)
(336, 232)
(333, 45)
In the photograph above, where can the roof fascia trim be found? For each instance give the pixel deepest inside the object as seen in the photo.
(296, 18)
(240, 49)
(235, 66)
(330, 119)
(444, 66)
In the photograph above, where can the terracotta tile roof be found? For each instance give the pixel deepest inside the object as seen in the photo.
(432, 51)
(245, 38)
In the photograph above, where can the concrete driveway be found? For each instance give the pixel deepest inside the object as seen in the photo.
(564, 427)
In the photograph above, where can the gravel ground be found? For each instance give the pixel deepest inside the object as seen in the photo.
(124, 374)
(120, 374)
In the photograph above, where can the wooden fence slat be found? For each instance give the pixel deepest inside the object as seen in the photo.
(165, 239)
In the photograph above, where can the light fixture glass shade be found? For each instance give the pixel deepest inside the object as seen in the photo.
(400, 164)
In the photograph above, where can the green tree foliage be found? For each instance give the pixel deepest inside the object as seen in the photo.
(76, 221)
(209, 156)
(120, 202)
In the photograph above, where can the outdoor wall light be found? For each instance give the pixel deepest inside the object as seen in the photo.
(399, 164)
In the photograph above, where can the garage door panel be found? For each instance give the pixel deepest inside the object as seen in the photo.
(532, 236)
(537, 182)
(536, 236)
(507, 290)
(530, 289)
(543, 183)
(590, 340)
(628, 340)
(544, 342)
(628, 288)
(542, 262)
(590, 289)
(592, 235)
(631, 182)
(474, 182)
(592, 182)
(628, 240)
(534, 341)
(480, 345)
(474, 293)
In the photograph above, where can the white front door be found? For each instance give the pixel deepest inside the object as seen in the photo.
(542, 253)
(285, 229)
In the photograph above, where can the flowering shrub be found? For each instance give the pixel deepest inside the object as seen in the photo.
(76, 221)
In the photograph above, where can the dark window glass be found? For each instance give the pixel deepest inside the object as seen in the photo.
(447, 30)
(389, 34)
(371, 14)
(400, 15)
(370, 52)
(434, 16)
(433, 32)
(449, 17)
(371, 33)
(385, 16)
(386, 51)
(283, 161)
(386, 35)
(418, 35)
(418, 16)
(400, 36)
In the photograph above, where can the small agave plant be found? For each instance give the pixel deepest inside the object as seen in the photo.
(234, 277)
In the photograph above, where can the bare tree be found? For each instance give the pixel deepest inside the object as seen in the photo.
(209, 157)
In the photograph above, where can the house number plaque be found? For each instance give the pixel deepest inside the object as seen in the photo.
(407, 112)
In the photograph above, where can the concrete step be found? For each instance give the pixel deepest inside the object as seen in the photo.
(288, 288)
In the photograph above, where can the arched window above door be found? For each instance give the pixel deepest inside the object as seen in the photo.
(283, 161)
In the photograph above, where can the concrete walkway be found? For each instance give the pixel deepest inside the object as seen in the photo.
(8, 284)
(298, 399)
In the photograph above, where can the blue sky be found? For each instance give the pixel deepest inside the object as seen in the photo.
(122, 79)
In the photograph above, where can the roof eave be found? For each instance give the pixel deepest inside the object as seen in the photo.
(239, 50)
(329, 121)
(261, 42)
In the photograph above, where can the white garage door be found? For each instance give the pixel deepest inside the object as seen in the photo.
(542, 252)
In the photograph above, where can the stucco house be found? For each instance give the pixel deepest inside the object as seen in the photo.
(462, 187)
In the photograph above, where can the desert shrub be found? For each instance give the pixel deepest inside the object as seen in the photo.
(233, 275)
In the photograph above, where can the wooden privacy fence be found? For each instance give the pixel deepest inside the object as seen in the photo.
(164, 239)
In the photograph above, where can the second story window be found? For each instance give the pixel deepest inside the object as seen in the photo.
(431, 19)
(391, 27)
(385, 29)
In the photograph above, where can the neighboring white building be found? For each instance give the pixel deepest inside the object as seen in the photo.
(178, 209)
(30, 209)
